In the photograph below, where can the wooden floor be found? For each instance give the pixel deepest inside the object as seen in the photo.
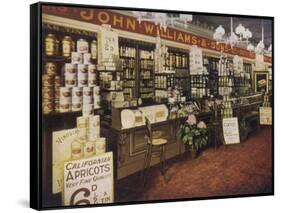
(241, 169)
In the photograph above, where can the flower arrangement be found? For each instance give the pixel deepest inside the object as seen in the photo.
(193, 134)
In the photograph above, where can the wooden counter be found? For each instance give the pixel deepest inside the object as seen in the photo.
(129, 145)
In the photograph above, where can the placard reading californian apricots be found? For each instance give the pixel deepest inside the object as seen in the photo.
(89, 181)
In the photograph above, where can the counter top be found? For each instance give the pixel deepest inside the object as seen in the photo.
(200, 115)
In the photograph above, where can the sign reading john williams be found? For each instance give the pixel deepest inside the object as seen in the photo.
(89, 181)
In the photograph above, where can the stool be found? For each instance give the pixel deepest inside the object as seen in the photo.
(155, 147)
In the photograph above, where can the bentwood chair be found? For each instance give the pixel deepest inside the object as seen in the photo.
(155, 147)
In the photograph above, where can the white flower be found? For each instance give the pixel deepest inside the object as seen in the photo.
(201, 125)
(191, 120)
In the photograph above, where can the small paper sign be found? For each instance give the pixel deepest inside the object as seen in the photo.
(108, 44)
(265, 115)
(89, 181)
(231, 130)
(61, 152)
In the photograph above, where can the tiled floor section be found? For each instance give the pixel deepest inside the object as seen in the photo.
(245, 168)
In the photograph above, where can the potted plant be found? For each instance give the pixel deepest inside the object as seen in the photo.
(193, 135)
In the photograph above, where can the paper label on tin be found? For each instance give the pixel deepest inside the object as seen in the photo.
(61, 152)
(100, 147)
(93, 188)
(82, 46)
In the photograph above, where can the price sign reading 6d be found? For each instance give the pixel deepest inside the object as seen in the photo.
(89, 181)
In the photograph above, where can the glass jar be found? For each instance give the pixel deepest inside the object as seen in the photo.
(51, 45)
(68, 46)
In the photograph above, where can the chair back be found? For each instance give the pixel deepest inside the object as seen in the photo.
(148, 128)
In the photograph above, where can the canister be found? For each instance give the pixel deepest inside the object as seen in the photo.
(82, 46)
(94, 49)
(87, 58)
(47, 80)
(88, 109)
(97, 102)
(82, 69)
(65, 95)
(87, 95)
(57, 106)
(94, 133)
(89, 149)
(70, 80)
(91, 68)
(76, 150)
(51, 45)
(92, 82)
(100, 146)
(47, 106)
(83, 80)
(76, 106)
(76, 58)
(82, 135)
(77, 92)
(68, 46)
(65, 107)
(70, 68)
(94, 121)
(88, 91)
(57, 81)
(51, 68)
(82, 122)
(96, 91)
(48, 93)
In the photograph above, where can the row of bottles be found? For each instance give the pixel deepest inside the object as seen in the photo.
(227, 111)
(164, 81)
(199, 81)
(176, 61)
(129, 73)
(226, 81)
(147, 64)
(225, 67)
(127, 52)
(266, 102)
(199, 92)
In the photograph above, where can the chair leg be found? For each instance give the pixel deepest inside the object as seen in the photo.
(147, 166)
(163, 163)
(145, 160)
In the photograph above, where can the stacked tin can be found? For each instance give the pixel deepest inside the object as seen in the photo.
(49, 87)
(80, 78)
(88, 142)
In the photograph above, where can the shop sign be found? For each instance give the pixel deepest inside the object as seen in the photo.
(231, 130)
(61, 152)
(265, 115)
(259, 62)
(89, 181)
(108, 43)
(196, 60)
(131, 24)
(237, 65)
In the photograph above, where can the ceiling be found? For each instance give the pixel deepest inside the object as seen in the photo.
(254, 25)
(209, 23)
